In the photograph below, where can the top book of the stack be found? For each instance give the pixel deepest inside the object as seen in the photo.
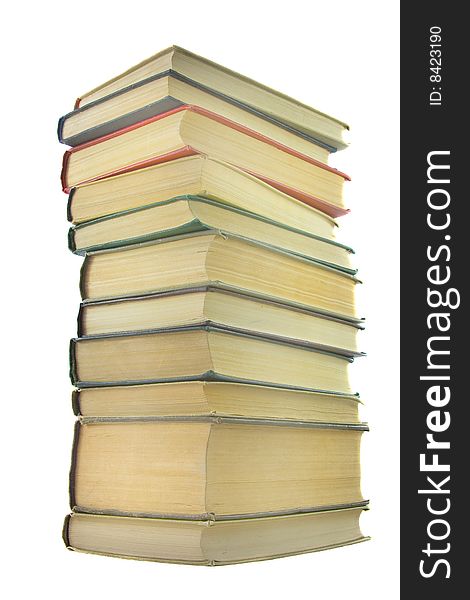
(176, 77)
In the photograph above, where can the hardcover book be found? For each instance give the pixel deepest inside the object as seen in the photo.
(188, 214)
(192, 130)
(216, 399)
(201, 176)
(211, 77)
(165, 92)
(213, 468)
(212, 353)
(223, 308)
(212, 257)
(210, 542)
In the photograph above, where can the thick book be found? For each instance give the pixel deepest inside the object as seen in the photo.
(200, 176)
(211, 257)
(209, 542)
(219, 468)
(169, 91)
(222, 308)
(205, 352)
(216, 399)
(191, 130)
(224, 83)
(189, 214)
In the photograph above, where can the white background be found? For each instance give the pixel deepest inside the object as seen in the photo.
(341, 57)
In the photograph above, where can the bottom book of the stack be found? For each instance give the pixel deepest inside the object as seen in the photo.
(212, 542)
(209, 489)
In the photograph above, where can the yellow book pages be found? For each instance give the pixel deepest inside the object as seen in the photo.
(199, 176)
(205, 353)
(161, 94)
(213, 469)
(212, 543)
(223, 80)
(219, 399)
(190, 130)
(199, 259)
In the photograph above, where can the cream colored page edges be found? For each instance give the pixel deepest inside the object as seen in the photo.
(150, 313)
(200, 176)
(259, 360)
(142, 358)
(272, 319)
(258, 95)
(143, 268)
(190, 129)
(222, 79)
(182, 398)
(122, 467)
(262, 469)
(269, 202)
(225, 309)
(137, 188)
(165, 217)
(113, 153)
(114, 108)
(143, 538)
(197, 543)
(268, 538)
(235, 262)
(264, 402)
(160, 88)
(136, 224)
(225, 143)
(197, 398)
(267, 233)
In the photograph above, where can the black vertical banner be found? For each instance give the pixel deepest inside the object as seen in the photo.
(435, 323)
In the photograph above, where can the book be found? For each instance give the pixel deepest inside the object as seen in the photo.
(221, 308)
(213, 468)
(189, 214)
(193, 353)
(212, 77)
(192, 130)
(216, 399)
(196, 175)
(216, 422)
(210, 257)
(165, 92)
(212, 543)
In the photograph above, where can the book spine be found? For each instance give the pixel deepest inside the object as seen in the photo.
(63, 174)
(73, 366)
(76, 403)
(211, 518)
(71, 240)
(83, 275)
(60, 129)
(73, 464)
(80, 315)
(69, 205)
(65, 531)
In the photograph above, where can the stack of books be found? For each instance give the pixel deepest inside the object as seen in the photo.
(216, 423)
